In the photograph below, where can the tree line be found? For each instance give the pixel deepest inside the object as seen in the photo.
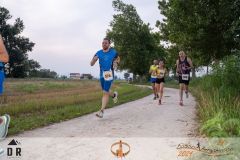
(207, 30)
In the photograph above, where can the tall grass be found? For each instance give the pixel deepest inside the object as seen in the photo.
(219, 99)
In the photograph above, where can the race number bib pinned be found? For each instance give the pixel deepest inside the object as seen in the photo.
(185, 77)
(108, 75)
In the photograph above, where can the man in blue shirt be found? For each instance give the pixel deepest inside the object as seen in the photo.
(108, 60)
(5, 119)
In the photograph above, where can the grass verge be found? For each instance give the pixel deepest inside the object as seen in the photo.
(50, 102)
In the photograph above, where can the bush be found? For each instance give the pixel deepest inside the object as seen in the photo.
(219, 99)
(226, 76)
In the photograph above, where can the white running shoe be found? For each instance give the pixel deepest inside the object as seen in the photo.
(100, 114)
(4, 126)
(115, 98)
(1, 152)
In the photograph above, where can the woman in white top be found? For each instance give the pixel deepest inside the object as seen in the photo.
(161, 72)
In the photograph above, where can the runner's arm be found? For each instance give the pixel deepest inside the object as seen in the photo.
(190, 63)
(150, 70)
(94, 60)
(116, 61)
(177, 69)
(4, 57)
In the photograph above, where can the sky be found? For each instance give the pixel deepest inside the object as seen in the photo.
(67, 33)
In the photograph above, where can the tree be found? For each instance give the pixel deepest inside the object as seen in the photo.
(133, 39)
(33, 68)
(63, 77)
(17, 46)
(46, 73)
(203, 28)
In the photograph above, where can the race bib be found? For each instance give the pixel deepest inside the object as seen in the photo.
(185, 77)
(108, 75)
(154, 74)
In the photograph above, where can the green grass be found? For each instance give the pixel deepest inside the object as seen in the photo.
(218, 111)
(169, 83)
(30, 88)
(51, 102)
(172, 84)
(218, 96)
(38, 86)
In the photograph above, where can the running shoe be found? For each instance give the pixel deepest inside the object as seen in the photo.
(160, 102)
(100, 114)
(181, 103)
(4, 126)
(115, 97)
(1, 152)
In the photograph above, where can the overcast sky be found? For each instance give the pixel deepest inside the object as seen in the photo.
(68, 33)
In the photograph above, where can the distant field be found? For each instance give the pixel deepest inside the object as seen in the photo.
(35, 103)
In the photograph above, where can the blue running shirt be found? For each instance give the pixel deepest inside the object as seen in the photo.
(106, 60)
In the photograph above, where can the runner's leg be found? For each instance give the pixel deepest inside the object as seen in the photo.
(154, 89)
(106, 93)
(105, 99)
(1, 87)
(161, 90)
(186, 90)
(181, 88)
(106, 85)
(157, 89)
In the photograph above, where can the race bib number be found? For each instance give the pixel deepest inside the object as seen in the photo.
(108, 75)
(185, 77)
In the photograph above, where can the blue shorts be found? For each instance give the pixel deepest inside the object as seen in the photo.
(153, 80)
(106, 85)
(2, 77)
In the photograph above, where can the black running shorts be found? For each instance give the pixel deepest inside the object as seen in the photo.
(186, 82)
(160, 80)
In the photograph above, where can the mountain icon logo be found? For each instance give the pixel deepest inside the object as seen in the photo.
(14, 143)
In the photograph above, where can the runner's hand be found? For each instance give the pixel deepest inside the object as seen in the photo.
(95, 58)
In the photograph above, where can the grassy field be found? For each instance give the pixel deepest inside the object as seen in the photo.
(35, 103)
